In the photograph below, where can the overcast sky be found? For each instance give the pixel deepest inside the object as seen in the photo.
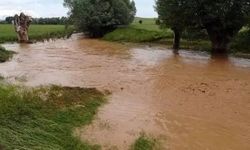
(54, 8)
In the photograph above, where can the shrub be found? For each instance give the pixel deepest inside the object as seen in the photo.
(97, 17)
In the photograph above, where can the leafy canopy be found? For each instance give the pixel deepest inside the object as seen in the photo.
(97, 17)
(221, 18)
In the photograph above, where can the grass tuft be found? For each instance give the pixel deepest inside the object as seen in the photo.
(144, 143)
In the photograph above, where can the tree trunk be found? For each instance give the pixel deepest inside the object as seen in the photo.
(177, 39)
(21, 24)
(220, 40)
(220, 46)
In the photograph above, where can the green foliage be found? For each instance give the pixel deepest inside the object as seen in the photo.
(52, 21)
(222, 19)
(191, 39)
(4, 54)
(171, 14)
(36, 32)
(241, 41)
(144, 143)
(44, 118)
(43, 21)
(97, 17)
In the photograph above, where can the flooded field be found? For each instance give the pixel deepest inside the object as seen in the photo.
(187, 102)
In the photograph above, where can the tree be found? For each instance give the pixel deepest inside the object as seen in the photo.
(97, 17)
(9, 19)
(171, 15)
(222, 19)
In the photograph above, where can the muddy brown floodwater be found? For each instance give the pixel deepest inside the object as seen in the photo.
(187, 102)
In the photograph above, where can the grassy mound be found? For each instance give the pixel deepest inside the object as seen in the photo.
(45, 118)
(130, 34)
(146, 32)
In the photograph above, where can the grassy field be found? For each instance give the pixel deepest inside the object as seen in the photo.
(148, 31)
(44, 118)
(36, 32)
(147, 24)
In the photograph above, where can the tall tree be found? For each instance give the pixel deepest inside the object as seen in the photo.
(221, 18)
(97, 17)
(171, 15)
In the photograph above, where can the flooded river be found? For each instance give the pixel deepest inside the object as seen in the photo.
(187, 102)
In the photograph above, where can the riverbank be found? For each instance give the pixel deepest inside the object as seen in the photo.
(148, 31)
(152, 91)
(45, 117)
(36, 32)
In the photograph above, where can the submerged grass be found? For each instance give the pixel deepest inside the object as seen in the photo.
(44, 118)
(5, 55)
(144, 143)
(36, 32)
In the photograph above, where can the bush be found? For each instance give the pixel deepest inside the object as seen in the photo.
(241, 42)
(4, 54)
(96, 17)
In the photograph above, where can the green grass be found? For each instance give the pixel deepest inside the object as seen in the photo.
(144, 143)
(36, 32)
(5, 55)
(44, 118)
(148, 31)
(130, 34)
(147, 24)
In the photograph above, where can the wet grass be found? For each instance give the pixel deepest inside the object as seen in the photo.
(5, 55)
(44, 118)
(36, 32)
(144, 143)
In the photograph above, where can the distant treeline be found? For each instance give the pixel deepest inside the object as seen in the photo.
(52, 21)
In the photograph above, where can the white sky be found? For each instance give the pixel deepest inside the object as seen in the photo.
(54, 8)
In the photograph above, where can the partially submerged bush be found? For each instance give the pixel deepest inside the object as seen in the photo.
(4, 54)
(144, 143)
